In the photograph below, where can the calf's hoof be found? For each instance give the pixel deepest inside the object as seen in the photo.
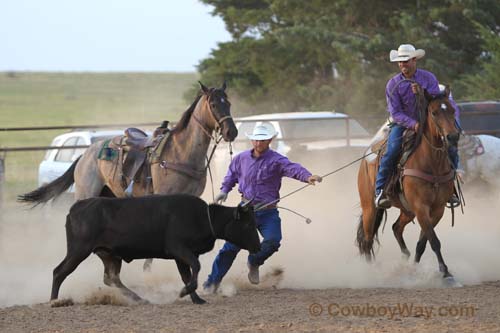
(197, 299)
(187, 290)
(57, 303)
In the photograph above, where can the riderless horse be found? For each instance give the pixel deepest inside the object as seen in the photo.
(178, 165)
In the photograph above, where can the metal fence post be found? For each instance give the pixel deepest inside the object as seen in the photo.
(2, 177)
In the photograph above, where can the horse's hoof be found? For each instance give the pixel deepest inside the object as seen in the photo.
(450, 281)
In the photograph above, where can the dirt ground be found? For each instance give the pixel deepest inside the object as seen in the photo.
(325, 285)
(467, 309)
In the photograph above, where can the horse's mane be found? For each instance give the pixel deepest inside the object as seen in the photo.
(184, 121)
(423, 101)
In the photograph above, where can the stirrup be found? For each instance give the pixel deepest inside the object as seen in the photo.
(382, 202)
(453, 202)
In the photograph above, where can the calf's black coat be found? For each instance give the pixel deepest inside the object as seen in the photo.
(178, 226)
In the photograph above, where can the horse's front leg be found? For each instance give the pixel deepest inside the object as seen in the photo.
(427, 223)
(421, 244)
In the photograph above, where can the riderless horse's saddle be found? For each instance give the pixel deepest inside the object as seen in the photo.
(136, 151)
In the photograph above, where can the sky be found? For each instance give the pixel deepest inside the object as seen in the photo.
(107, 35)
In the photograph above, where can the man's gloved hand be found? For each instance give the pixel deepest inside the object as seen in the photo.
(415, 88)
(313, 179)
(221, 197)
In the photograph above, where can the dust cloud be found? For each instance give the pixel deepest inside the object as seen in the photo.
(317, 255)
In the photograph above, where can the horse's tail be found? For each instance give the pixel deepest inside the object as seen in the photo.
(365, 246)
(51, 190)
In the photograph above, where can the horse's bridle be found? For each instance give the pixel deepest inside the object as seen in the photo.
(440, 133)
(219, 122)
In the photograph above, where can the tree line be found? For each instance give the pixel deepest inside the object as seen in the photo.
(293, 55)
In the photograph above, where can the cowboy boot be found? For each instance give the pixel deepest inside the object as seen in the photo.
(381, 200)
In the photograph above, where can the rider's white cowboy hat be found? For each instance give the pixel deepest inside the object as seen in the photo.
(405, 52)
(264, 131)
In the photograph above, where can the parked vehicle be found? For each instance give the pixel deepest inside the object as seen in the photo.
(309, 130)
(57, 161)
(301, 136)
(480, 117)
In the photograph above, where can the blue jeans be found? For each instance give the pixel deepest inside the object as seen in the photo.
(269, 225)
(388, 160)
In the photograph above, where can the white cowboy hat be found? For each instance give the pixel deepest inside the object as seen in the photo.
(406, 52)
(264, 131)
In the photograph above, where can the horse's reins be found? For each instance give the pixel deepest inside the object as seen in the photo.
(216, 139)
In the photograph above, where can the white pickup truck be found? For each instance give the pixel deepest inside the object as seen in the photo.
(301, 136)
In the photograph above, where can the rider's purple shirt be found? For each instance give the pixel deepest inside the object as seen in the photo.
(401, 100)
(260, 178)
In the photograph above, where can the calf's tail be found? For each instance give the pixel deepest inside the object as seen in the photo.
(51, 190)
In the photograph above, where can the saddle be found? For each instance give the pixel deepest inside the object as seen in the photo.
(393, 186)
(135, 152)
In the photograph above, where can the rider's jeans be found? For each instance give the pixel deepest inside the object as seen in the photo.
(388, 160)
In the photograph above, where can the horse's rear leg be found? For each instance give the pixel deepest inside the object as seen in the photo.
(398, 228)
(66, 267)
(112, 267)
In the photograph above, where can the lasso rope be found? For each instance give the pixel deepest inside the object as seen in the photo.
(324, 176)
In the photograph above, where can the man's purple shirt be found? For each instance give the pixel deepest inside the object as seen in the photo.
(260, 178)
(401, 100)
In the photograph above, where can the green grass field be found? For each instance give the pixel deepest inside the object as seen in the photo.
(56, 99)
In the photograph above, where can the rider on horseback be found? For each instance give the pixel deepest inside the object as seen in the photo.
(401, 104)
